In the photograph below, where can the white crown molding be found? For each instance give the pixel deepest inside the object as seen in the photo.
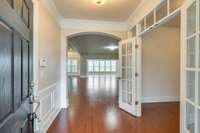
(92, 24)
(52, 9)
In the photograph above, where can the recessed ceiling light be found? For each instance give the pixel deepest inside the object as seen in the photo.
(99, 2)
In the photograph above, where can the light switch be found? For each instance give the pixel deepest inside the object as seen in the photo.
(43, 62)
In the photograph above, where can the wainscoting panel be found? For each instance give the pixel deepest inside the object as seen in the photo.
(50, 105)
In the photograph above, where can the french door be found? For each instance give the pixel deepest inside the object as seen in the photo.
(191, 67)
(129, 86)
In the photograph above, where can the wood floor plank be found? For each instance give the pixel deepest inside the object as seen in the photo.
(94, 109)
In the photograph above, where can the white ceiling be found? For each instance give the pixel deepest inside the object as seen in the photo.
(112, 10)
(93, 44)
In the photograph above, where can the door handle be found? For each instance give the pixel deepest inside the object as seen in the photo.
(33, 100)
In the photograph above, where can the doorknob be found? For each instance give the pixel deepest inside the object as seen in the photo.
(33, 100)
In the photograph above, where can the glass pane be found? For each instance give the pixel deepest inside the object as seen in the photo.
(161, 11)
(124, 97)
(142, 25)
(123, 61)
(190, 85)
(96, 65)
(124, 91)
(73, 69)
(129, 73)
(175, 4)
(130, 99)
(129, 48)
(191, 19)
(129, 90)
(124, 49)
(113, 66)
(130, 87)
(190, 118)
(69, 65)
(133, 31)
(123, 73)
(90, 65)
(102, 66)
(129, 61)
(74, 62)
(150, 19)
(108, 66)
(191, 52)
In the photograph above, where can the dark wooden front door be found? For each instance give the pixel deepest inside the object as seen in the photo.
(15, 66)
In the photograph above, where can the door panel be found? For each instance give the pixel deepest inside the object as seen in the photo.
(17, 69)
(5, 72)
(15, 66)
(25, 69)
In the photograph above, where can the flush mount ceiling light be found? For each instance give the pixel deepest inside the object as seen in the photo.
(112, 47)
(99, 2)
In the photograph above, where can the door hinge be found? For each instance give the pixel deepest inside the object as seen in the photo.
(136, 46)
(136, 102)
(136, 74)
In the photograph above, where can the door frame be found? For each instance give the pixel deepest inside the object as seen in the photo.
(36, 57)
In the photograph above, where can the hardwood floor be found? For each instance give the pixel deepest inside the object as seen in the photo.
(93, 109)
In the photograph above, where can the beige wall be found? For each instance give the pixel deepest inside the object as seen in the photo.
(49, 47)
(47, 35)
(161, 64)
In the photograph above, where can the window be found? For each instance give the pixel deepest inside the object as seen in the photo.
(101, 66)
(113, 66)
(90, 66)
(108, 66)
(96, 66)
(72, 66)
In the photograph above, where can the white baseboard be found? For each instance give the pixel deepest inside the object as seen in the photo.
(160, 99)
(49, 120)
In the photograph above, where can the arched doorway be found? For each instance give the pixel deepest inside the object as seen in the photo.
(64, 46)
